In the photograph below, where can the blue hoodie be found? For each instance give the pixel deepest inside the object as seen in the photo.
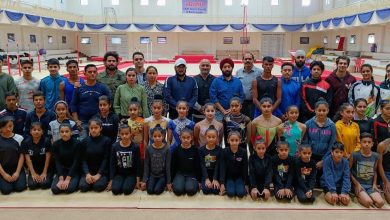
(301, 76)
(321, 139)
(336, 175)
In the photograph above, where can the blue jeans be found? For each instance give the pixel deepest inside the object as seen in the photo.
(235, 188)
(185, 185)
(18, 186)
(156, 185)
(123, 184)
(99, 186)
(72, 187)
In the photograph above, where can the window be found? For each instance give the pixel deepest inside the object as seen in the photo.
(325, 40)
(337, 39)
(244, 40)
(352, 39)
(371, 38)
(304, 40)
(116, 40)
(84, 2)
(244, 2)
(144, 2)
(327, 2)
(50, 39)
(144, 40)
(306, 3)
(228, 40)
(85, 40)
(274, 2)
(33, 38)
(228, 2)
(11, 37)
(64, 39)
(161, 2)
(114, 2)
(161, 40)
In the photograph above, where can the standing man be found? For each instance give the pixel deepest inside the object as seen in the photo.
(246, 75)
(291, 91)
(52, 86)
(267, 85)
(111, 77)
(224, 88)
(73, 82)
(341, 81)
(203, 80)
(301, 72)
(7, 83)
(26, 86)
(139, 61)
(180, 87)
(85, 101)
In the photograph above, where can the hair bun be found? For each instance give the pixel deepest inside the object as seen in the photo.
(158, 96)
(258, 138)
(157, 126)
(211, 127)
(190, 128)
(282, 138)
(321, 99)
(134, 99)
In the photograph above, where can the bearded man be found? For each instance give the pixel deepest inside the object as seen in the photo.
(224, 88)
(301, 72)
(111, 77)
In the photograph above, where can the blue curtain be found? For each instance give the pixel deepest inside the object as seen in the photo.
(47, 21)
(308, 26)
(120, 26)
(60, 22)
(336, 21)
(165, 27)
(71, 24)
(144, 26)
(14, 16)
(237, 27)
(265, 27)
(292, 27)
(326, 23)
(216, 27)
(191, 27)
(365, 17)
(96, 26)
(80, 26)
(349, 19)
(32, 18)
(383, 13)
(317, 25)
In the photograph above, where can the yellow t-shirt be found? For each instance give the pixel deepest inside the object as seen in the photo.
(349, 135)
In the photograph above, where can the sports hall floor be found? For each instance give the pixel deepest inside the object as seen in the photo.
(43, 205)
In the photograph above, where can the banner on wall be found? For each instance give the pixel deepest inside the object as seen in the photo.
(194, 6)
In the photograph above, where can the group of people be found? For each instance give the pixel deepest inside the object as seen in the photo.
(110, 130)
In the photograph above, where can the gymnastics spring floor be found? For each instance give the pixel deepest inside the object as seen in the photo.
(41, 204)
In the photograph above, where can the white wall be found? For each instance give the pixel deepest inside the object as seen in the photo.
(22, 37)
